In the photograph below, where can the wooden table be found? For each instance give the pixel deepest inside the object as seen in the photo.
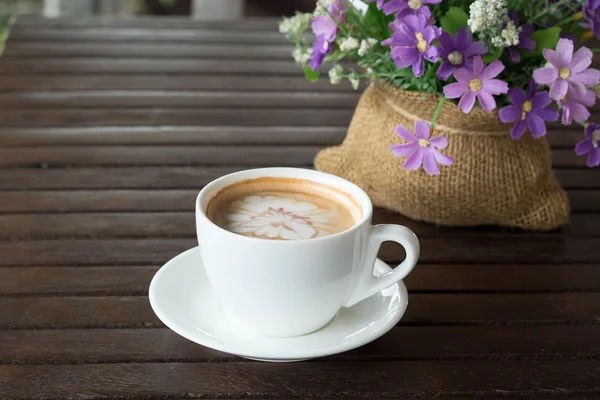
(107, 132)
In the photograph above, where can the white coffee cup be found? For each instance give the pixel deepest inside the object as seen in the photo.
(289, 288)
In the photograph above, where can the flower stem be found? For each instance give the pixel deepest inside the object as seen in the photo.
(437, 112)
(564, 21)
(548, 10)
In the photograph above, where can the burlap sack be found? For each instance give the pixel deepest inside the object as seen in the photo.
(494, 180)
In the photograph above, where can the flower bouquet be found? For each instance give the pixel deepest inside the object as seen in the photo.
(468, 85)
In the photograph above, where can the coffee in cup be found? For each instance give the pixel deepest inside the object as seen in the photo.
(283, 209)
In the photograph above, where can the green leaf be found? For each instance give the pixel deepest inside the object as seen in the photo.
(372, 19)
(454, 19)
(546, 39)
(492, 55)
(311, 75)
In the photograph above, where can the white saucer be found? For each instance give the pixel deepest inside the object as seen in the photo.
(182, 298)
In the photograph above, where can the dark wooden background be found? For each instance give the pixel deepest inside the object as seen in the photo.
(107, 132)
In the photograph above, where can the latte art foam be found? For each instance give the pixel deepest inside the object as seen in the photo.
(283, 209)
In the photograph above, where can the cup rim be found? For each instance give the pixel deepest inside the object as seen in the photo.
(286, 172)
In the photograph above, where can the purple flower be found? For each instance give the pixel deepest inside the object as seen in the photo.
(590, 145)
(528, 111)
(407, 7)
(568, 71)
(321, 48)
(457, 52)
(421, 150)
(592, 13)
(325, 29)
(411, 44)
(525, 40)
(479, 83)
(574, 107)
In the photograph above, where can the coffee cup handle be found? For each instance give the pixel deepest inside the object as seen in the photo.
(367, 284)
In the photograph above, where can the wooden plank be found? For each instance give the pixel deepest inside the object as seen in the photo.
(176, 116)
(148, 35)
(178, 98)
(165, 82)
(578, 178)
(182, 178)
(481, 249)
(63, 312)
(74, 280)
(144, 65)
(270, 380)
(98, 201)
(187, 155)
(222, 135)
(424, 309)
(112, 178)
(426, 343)
(249, 51)
(567, 158)
(92, 252)
(157, 156)
(168, 200)
(493, 278)
(172, 135)
(27, 22)
(426, 278)
(182, 224)
(102, 225)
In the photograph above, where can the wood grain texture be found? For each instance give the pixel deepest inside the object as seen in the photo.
(248, 51)
(172, 135)
(182, 224)
(109, 130)
(182, 178)
(426, 278)
(178, 99)
(168, 116)
(69, 201)
(470, 249)
(189, 155)
(53, 346)
(425, 309)
(112, 178)
(98, 201)
(164, 82)
(157, 156)
(169, 380)
(89, 65)
(27, 22)
(198, 135)
(147, 35)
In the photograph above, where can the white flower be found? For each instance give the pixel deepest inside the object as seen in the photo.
(278, 218)
(508, 37)
(354, 80)
(485, 14)
(301, 56)
(349, 43)
(335, 74)
(296, 25)
(322, 6)
(366, 46)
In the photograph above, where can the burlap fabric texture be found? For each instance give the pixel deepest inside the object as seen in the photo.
(494, 180)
